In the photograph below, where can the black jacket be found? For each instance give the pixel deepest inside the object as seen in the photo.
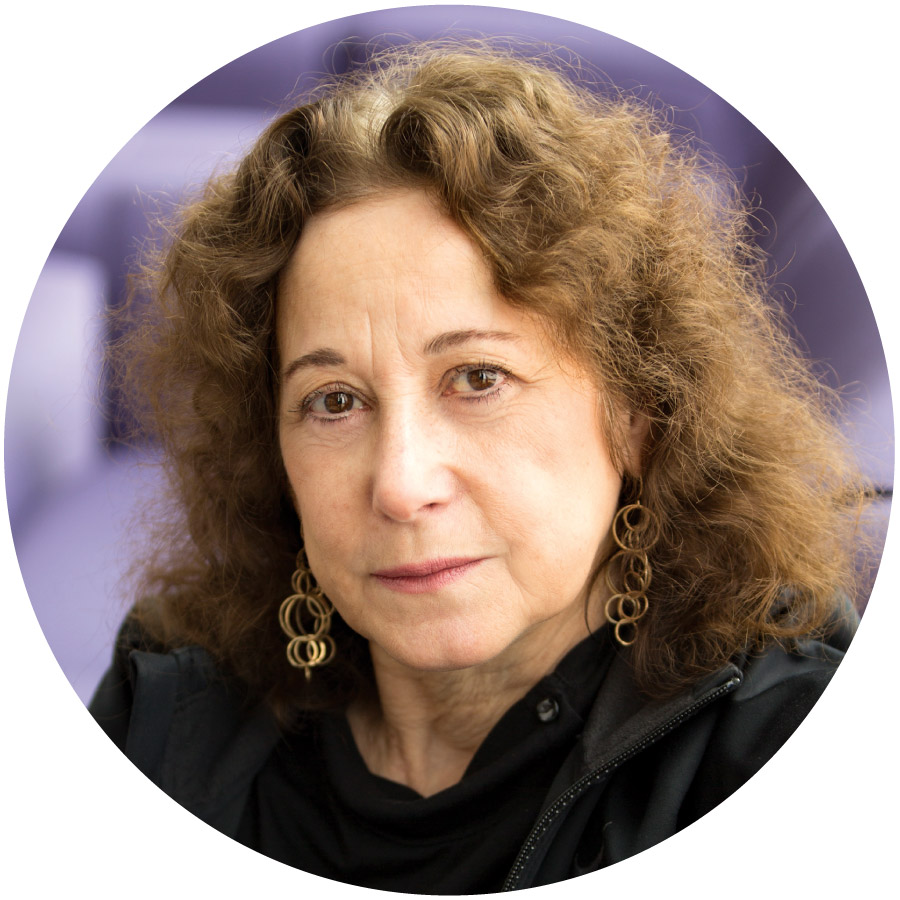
(640, 771)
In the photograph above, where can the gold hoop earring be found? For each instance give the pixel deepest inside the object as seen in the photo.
(307, 649)
(635, 529)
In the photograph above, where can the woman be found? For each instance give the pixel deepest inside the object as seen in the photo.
(488, 363)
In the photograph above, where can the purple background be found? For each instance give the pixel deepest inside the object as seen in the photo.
(71, 501)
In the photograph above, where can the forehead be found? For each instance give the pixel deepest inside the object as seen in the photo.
(394, 258)
(375, 232)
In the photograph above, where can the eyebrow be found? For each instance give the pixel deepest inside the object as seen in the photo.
(325, 357)
(322, 357)
(455, 338)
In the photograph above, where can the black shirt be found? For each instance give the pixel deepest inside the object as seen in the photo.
(315, 805)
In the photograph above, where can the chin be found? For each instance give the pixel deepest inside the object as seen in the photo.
(442, 649)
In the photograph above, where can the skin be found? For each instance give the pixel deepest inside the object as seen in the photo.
(423, 418)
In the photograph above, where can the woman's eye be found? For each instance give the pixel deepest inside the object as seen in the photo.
(477, 380)
(333, 404)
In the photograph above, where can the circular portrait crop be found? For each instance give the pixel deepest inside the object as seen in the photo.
(449, 463)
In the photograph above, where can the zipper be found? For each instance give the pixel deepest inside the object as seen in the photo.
(604, 771)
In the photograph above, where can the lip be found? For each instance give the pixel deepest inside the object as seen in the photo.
(420, 578)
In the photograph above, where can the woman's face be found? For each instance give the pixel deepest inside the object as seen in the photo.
(449, 469)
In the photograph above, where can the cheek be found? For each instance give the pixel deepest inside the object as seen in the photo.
(319, 482)
(572, 487)
(329, 496)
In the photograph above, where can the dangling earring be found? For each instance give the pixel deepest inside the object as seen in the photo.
(635, 529)
(307, 649)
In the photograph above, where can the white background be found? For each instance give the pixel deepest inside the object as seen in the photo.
(77, 819)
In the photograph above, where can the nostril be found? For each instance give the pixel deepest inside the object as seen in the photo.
(402, 492)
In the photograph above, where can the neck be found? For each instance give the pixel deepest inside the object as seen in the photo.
(424, 727)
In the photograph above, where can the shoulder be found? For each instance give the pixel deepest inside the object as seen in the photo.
(777, 691)
(153, 693)
(782, 684)
(183, 724)
(142, 676)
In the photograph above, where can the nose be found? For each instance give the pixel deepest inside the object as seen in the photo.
(412, 471)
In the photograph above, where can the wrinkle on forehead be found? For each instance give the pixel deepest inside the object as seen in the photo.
(386, 274)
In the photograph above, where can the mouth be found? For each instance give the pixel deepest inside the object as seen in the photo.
(420, 578)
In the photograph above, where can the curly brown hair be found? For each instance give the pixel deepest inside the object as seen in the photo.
(592, 211)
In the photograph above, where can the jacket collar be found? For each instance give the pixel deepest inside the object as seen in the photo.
(622, 722)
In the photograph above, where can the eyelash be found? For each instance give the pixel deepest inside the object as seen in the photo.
(490, 394)
(304, 407)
